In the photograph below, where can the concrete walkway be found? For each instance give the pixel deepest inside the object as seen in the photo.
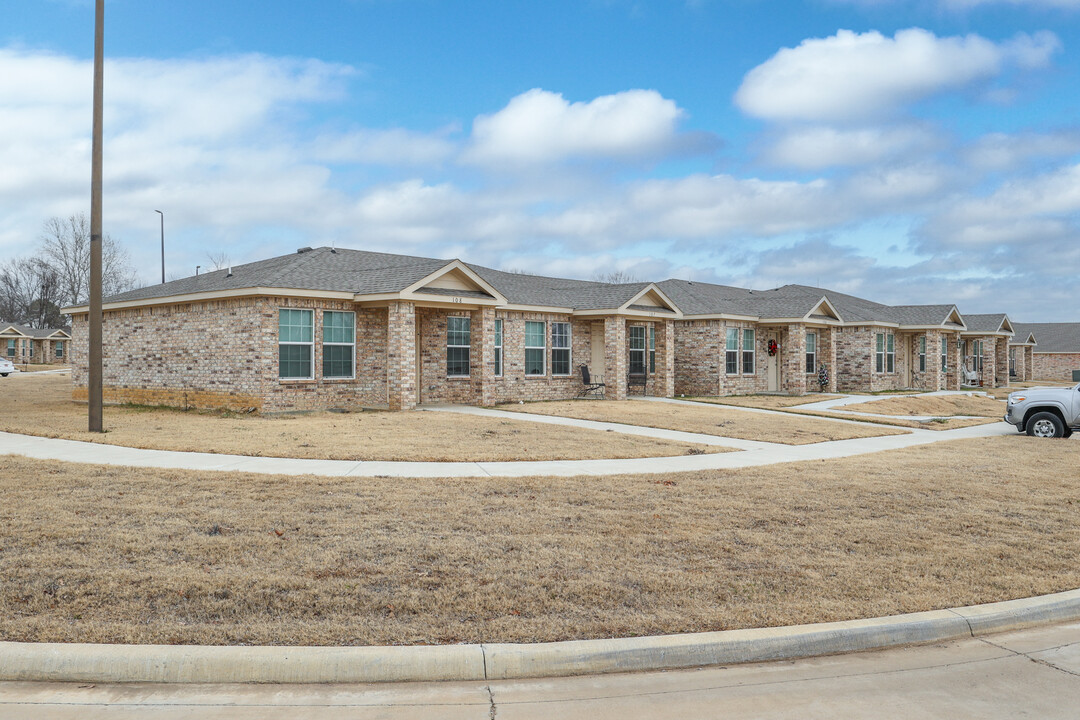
(1032, 673)
(837, 404)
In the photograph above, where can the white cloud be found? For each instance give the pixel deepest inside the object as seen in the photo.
(820, 146)
(851, 76)
(541, 127)
(1001, 151)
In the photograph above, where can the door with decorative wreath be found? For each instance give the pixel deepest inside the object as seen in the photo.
(772, 352)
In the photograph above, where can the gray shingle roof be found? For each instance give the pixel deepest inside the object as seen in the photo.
(987, 323)
(36, 333)
(521, 289)
(1051, 337)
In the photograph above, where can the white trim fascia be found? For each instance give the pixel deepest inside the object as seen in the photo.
(1057, 352)
(800, 321)
(18, 333)
(537, 308)
(722, 316)
(825, 299)
(930, 327)
(979, 333)
(652, 287)
(449, 267)
(215, 295)
(620, 312)
(1007, 326)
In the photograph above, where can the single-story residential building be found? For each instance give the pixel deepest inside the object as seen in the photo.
(44, 346)
(1021, 349)
(327, 327)
(1055, 354)
(986, 349)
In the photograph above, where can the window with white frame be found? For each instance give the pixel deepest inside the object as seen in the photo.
(31, 345)
(879, 352)
(652, 349)
(458, 346)
(731, 351)
(944, 354)
(296, 346)
(560, 348)
(922, 353)
(59, 348)
(11, 348)
(637, 349)
(977, 355)
(811, 352)
(890, 352)
(498, 348)
(748, 351)
(535, 348)
(339, 344)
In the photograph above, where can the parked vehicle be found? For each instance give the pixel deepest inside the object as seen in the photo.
(1045, 411)
(6, 367)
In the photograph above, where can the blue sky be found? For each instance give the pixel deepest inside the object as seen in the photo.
(903, 151)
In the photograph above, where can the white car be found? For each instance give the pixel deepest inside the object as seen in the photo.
(6, 367)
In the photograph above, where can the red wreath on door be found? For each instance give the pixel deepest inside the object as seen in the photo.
(773, 347)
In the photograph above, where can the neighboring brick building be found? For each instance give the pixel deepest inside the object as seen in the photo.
(331, 328)
(1055, 352)
(24, 345)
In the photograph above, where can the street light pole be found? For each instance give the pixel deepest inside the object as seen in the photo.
(162, 245)
(94, 400)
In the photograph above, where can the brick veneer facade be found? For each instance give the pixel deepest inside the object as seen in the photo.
(36, 351)
(1054, 366)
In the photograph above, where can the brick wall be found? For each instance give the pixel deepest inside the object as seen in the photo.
(514, 385)
(698, 357)
(1054, 366)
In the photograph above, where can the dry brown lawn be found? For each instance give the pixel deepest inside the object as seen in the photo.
(707, 419)
(937, 405)
(102, 554)
(31, 367)
(936, 424)
(42, 406)
(766, 402)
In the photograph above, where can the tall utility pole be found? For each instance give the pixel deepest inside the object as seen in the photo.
(162, 245)
(94, 385)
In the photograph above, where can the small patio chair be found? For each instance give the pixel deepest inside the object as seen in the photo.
(971, 377)
(637, 381)
(588, 387)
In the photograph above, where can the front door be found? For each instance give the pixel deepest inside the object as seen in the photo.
(596, 347)
(773, 371)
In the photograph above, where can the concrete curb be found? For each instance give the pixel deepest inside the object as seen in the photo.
(58, 662)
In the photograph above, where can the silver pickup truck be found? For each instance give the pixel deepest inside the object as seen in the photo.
(1045, 411)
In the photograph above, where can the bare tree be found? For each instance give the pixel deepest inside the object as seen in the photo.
(219, 260)
(66, 248)
(614, 277)
(30, 293)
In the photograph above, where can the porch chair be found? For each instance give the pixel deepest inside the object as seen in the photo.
(971, 377)
(637, 381)
(588, 387)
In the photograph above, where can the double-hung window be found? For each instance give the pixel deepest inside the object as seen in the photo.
(31, 344)
(977, 352)
(458, 344)
(560, 348)
(922, 353)
(339, 344)
(811, 352)
(59, 348)
(890, 352)
(637, 349)
(879, 352)
(944, 354)
(731, 351)
(296, 346)
(535, 348)
(498, 349)
(652, 349)
(748, 351)
(11, 348)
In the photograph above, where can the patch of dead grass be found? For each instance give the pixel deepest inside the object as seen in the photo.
(936, 405)
(42, 406)
(936, 424)
(766, 402)
(702, 418)
(102, 554)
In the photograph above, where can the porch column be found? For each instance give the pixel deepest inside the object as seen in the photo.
(615, 357)
(827, 341)
(793, 359)
(483, 350)
(933, 379)
(1001, 362)
(955, 354)
(1029, 363)
(401, 356)
(665, 358)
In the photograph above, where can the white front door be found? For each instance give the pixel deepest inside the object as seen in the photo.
(774, 372)
(596, 346)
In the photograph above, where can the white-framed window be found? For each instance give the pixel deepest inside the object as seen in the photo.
(296, 344)
(748, 351)
(811, 352)
(922, 353)
(885, 352)
(652, 349)
(31, 345)
(890, 352)
(498, 348)
(560, 348)
(339, 344)
(944, 354)
(535, 348)
(59, 348)
(731, 351)
(637, 349)
(458, 346)
(11, 348)
(977, 355)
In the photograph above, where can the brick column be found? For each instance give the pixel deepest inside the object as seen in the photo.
(956, 362)
(933, 379)
(1001, 362)
(793, 360)
(483, 354)
(401, 356)
(615, 357)
(1029, 363)
(665, 358)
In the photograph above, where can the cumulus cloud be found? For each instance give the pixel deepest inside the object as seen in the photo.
(819, 146)
(541, 127)
(851, 76)
(1002, 151)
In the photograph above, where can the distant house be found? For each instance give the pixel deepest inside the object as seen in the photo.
(986, 349)
(23, 345)
(1054, 349)
(326, 328)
